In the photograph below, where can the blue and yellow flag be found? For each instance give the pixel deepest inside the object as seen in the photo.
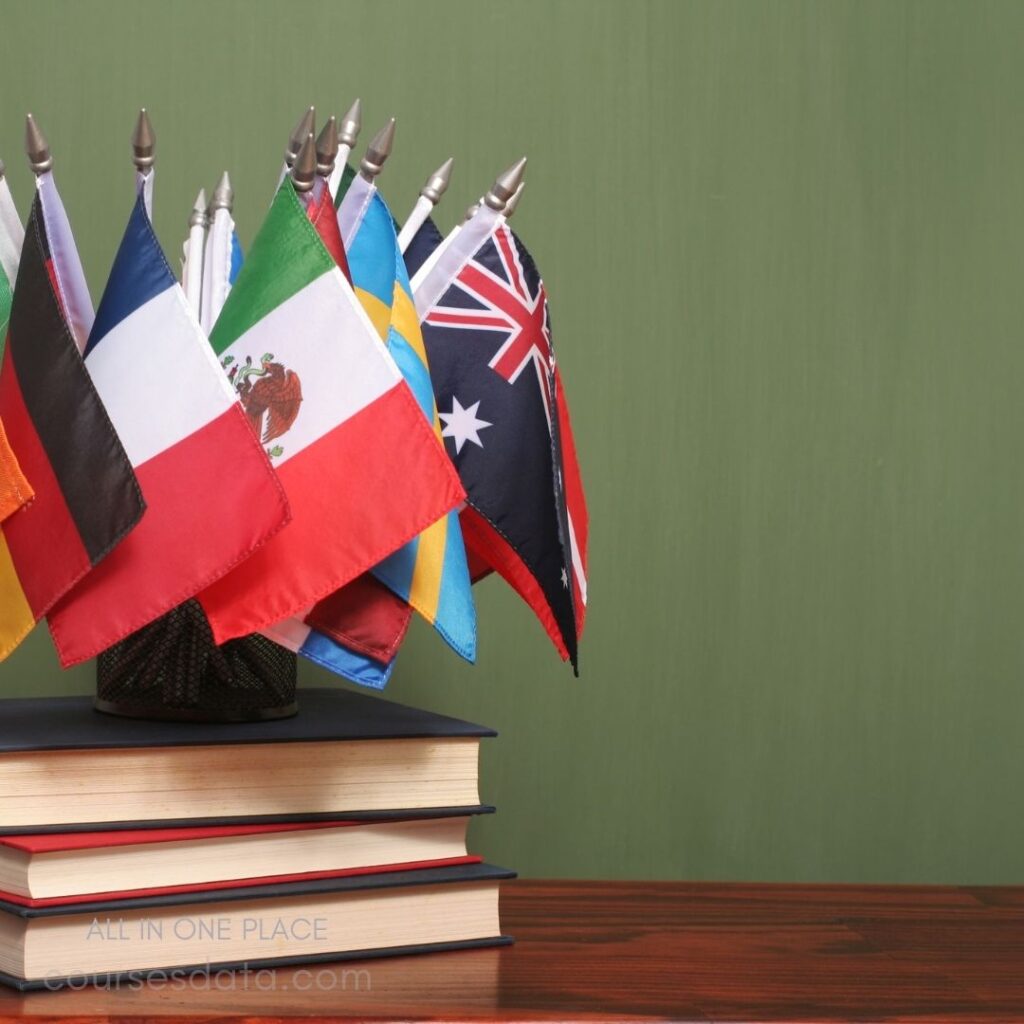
(430, 572)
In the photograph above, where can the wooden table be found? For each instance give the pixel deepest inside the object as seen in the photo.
(653, 951)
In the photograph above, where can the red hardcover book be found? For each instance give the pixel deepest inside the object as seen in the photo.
(48, 869)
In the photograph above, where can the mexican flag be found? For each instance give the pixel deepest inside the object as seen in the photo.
(361, 467)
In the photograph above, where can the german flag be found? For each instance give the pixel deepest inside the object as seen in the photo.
(86, 495)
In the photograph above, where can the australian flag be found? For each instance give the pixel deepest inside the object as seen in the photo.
(506, 427)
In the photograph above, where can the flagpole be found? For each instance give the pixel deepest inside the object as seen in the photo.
(307, 124)
(144, 156)
(377, 152)
(37, 149)
(430, 195)
(217, 255)
(327, 146)
(64, 258)
(303, 170)
(513, 204)
(192, 271)
(348, 133)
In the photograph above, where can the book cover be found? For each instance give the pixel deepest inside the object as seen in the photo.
(325, 714)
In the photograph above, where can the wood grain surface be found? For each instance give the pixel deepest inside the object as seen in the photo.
(653, 951)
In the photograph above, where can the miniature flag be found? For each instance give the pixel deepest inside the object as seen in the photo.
(430, 572)
(15, 490)
(499, 394)
(322, 215)
(355, 632)
(422, 246)
(362, 470)
(212, 496)
(86, 496)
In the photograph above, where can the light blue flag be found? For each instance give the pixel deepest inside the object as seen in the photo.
(430, 572)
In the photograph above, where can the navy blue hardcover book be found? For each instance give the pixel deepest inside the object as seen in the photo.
(66, 767)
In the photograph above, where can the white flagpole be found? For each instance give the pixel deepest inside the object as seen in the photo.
(192, 269)
(430, 195)
(217, 256)
(348, 132)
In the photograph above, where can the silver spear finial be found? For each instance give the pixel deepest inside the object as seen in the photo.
(351, 123)
(36, 147)
(198, 215)
(437, 184)
(510, 206)
(378, 151)
(304, 169)
(143, 143)
(505, 185)
(307, 124)
(327, 147)
(223, 194)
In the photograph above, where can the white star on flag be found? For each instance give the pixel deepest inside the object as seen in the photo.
(462, 425)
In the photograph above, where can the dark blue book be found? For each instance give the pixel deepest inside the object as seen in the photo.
(65, 766)
(115, 943)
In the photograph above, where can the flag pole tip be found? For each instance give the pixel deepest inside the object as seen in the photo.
(307, 124)
(513, 203)
(223, 194)
(505, 185)
(198, 215)
(36, 147)
(378, 151)
(304, 170)
(143, 143)
(327, 147)
(437, 184)
(351, 123)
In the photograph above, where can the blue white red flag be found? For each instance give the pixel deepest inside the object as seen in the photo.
(212, 495)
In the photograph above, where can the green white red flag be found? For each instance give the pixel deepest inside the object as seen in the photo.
(363, 471)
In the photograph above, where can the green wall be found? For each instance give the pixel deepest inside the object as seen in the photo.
(785, 246)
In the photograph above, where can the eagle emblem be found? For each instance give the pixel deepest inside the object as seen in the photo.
(270, 395)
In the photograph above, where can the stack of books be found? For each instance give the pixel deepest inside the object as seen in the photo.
(132, 848)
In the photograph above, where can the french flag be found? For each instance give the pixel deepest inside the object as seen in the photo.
(212, 496)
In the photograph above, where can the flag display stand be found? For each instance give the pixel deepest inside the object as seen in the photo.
(173, 670)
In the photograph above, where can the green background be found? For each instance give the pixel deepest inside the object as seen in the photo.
(784, 244)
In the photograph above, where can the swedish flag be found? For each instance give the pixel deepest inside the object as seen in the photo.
(430, 572)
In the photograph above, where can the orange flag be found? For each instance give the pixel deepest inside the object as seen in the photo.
(14, 488)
